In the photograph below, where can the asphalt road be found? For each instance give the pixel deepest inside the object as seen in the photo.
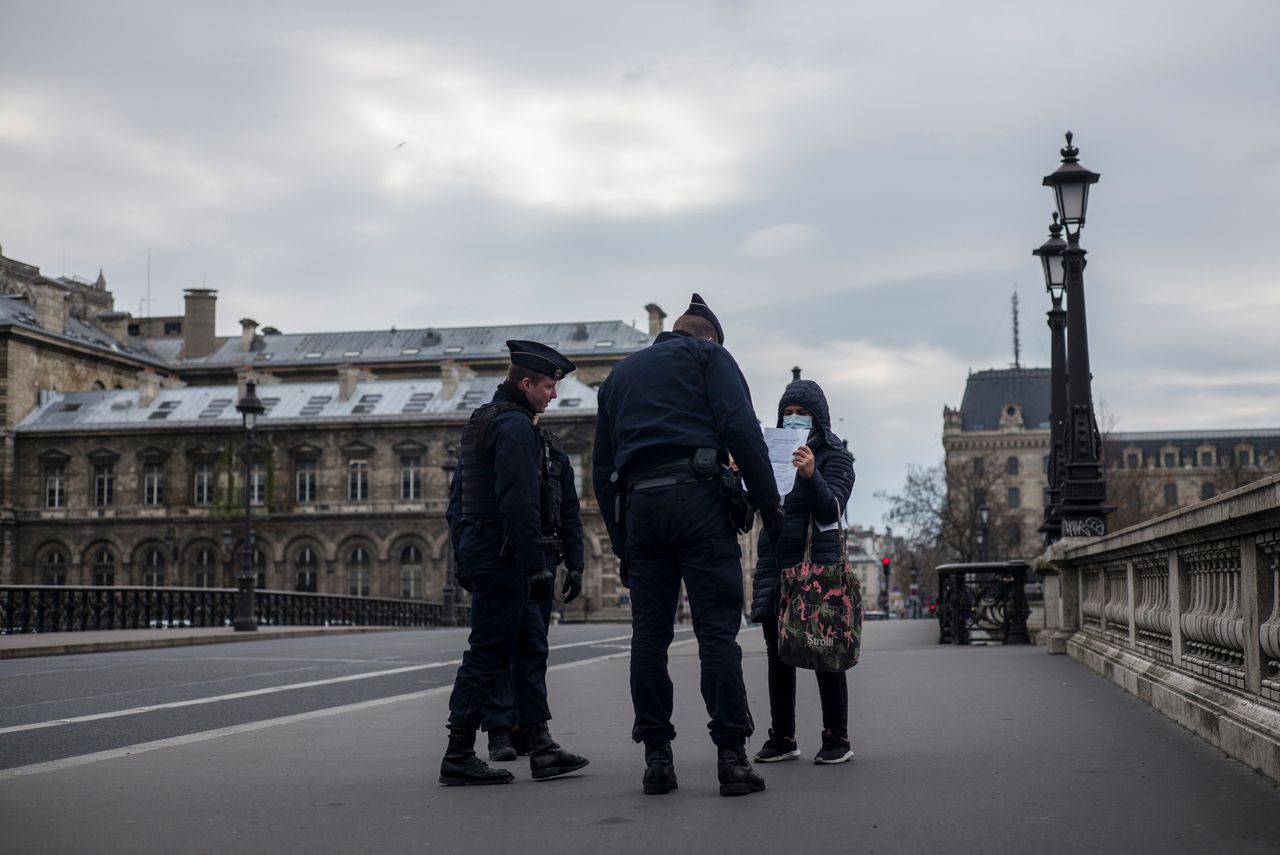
(959, 750)
(58, 707)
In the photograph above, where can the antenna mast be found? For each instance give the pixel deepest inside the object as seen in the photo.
(1017, 340)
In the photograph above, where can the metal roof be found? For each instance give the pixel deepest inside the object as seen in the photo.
(287, 404)
(988, 392)
(16, 312)
(410, 345)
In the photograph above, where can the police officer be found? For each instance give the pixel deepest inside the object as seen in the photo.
(500, 545)
(561, 544)
(669, 417)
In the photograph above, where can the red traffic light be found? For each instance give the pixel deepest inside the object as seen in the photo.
(884, 561)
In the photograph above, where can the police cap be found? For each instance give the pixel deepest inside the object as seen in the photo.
(699, 307)
(538, 357)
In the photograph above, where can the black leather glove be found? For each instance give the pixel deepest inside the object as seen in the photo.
(572, 585)
(540, 584)
(772, 520)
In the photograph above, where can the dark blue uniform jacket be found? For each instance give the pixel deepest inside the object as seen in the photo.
(679, 394)
(821, 498)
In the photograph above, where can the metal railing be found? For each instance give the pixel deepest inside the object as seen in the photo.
(70, 608)
(988, 599)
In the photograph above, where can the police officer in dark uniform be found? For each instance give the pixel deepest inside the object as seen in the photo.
(669, 418)
(562, 543)
(501, 492)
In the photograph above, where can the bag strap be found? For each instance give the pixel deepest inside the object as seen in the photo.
(808, 540)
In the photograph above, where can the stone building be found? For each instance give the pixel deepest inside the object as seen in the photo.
(997, 443)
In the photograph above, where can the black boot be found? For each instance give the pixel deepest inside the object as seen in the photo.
(520, 741)
(659, 770)
(500, 749)
(548, 760)
(737, 778)
(461, 765)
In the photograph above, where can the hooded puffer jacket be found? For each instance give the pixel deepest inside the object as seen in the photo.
(820, 499)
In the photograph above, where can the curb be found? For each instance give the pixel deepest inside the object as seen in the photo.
(72, 648)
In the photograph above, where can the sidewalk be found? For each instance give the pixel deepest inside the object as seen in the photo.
(21, 645)
(962, 750)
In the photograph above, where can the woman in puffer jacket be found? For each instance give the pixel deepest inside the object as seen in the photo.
(824, 480)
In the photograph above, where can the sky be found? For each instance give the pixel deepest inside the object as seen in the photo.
(854, 187)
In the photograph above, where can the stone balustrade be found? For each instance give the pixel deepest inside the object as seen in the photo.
(1183, 611)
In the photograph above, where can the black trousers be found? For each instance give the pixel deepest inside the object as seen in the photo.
(680, 533)
(833, 690)
(508, 642)
(500, 710)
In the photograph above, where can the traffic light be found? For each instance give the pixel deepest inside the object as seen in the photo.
(884, 562)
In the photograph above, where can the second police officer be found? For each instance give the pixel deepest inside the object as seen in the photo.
(669, 418)
(500, 544)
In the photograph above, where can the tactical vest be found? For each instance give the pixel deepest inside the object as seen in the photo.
(479, 492)
(552, 478)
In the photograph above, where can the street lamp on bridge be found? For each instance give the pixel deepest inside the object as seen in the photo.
(250, 408)
(1081, 506)
(1050, 254)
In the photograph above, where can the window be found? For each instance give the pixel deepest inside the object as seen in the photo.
(358, 481)
(173, 328)
(1045, 462)
(202, 484)
(1170, 460)
(411, 572)
(575, 460)
(1207, 490)
(304, 480)
(411, 478)
(104, 485)
(358, 572)
(1171, 494)
(153, 568)
(1011, 466)
(1015, 535)
(258, 484)
(135, 329)
(1206, 458)
(153, 484)
(304, 567)
(260, 568)
(979, 466)
(1015, 497)
(104, 568)
(1244, 457)
(55, 569)
(1133, 461)
(55, 486)
(204, 571)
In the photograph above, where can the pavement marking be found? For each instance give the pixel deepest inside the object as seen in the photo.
(156, 688)
(268, 690)
(249, 727)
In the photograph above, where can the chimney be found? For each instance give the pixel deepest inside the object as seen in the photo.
(795, 373)
(150, 383)
(52, 306)
(451, 374)
(248, 374)
(248, 327)
(116, 324)
(656, 317)
(197, 324)
(348, 377)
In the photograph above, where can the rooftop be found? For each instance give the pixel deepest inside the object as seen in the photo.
(988, 392)
(19, 313)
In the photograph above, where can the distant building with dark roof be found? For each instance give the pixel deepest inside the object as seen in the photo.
(996, 448)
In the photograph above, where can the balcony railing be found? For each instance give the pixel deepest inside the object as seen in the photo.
(70, 608)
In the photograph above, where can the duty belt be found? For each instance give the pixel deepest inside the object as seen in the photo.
(666, 475)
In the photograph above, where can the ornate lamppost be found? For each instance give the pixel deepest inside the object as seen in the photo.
(1084, 493)
(984, 516)
(1050, 254)
(449, 593)
(250, 407)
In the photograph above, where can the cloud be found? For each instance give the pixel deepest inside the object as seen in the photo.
(781, 242)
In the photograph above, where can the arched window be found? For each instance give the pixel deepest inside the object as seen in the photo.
(153, 568)
(304, 567)
(55, 568)
(358, 572)
(260, 568)
(104, 568)
(411, 573)
(204, 570)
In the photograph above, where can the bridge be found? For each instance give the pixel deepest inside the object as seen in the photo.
(331, 743)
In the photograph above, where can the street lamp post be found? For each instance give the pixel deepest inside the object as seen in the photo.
(915, 590)
(984, 516)
(1082, 506)
(449, 593)
(1050, 254)
(249, 407)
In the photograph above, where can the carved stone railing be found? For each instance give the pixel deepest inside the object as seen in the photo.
(70, 608)
(1184, 611)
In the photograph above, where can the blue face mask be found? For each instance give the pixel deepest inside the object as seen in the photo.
(797, 422)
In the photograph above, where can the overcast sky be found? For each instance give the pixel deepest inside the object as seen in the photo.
(854, 187)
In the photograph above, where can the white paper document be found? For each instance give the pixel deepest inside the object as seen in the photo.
(782, 444)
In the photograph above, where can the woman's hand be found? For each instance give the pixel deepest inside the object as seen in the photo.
(802, 460)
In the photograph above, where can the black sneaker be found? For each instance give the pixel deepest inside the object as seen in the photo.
(777, 748)
(835, 749)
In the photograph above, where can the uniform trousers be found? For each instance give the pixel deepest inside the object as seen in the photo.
(500, 710)
(508, 641)
(676, 533)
